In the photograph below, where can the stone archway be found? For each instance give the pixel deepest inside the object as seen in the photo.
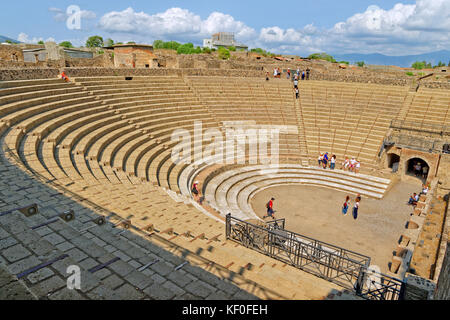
(417, 167)
(393, 161)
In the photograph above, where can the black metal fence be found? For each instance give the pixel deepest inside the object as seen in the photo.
(346, 268)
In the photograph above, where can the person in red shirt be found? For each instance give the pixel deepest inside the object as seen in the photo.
(195, 191)
(270, 212)
(64, 77)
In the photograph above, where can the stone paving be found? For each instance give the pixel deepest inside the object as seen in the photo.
(141, 269)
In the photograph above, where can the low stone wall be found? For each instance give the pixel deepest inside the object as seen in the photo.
(360, 78)
(190, 67)
(28, 74)
(435, 85)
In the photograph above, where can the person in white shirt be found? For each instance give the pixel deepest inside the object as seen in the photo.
(357, 166)
(333, 162)
(352, 164)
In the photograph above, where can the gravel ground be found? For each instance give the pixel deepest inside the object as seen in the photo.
(316, 212)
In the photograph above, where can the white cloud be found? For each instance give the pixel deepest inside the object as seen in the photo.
(23, 37)
(403, 29)
(174, 23)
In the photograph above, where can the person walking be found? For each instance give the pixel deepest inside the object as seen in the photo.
(296, 93)
(195, 191)
(270, 212)
(320, 159)
(356, 207)
(346, 206)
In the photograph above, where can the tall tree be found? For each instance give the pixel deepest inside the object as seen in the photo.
(66, 44)
(94, 42)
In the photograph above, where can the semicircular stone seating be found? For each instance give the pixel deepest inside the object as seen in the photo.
(232, 190)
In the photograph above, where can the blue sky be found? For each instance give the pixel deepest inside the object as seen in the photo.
(299, 27)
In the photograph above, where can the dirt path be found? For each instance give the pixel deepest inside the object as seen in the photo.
(316, 212)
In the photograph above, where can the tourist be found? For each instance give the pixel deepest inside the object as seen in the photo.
(346, 206)
(307, 73)
(288, 74)
(352, 165)
(270, 212)
(295, 83)
(298, 72)
(346, 164)
(357, 166)
(303, 75)
(356, 207)
(425, 189)
(425, 172)
(275, 72)
(267, 76)
(296, 93)
(195, 191)
(412, 200)
(320, 159)
(333, 162)
(418, 169)
(65, 77)
(325, 160)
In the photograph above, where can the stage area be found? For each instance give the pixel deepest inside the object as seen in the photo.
(316, 212)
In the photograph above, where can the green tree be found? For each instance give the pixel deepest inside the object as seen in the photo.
(187, 48)
(206, 50)
(361, 64)
(418, 65)
(9, 41)
(109, 42)
(66, 44)
(224, 53)
(131, 42)
(344, 62)
(94, 42)
(41, 42)
(158, 44)
(322, 56)
(232, 48)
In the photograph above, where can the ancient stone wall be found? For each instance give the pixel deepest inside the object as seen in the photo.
(100, 61)
(10, 53)
(28, 74)
(443, 285)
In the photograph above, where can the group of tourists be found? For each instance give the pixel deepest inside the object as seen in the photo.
(325, 161)
(352, 165)
(347, 204)
(420, 171)
(414, 198)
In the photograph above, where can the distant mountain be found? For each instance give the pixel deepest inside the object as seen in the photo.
(400, 61)
(4, 39)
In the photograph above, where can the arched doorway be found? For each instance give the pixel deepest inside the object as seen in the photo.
(418, 167)
(393, 161)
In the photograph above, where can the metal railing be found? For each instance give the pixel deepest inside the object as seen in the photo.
(344, 267)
